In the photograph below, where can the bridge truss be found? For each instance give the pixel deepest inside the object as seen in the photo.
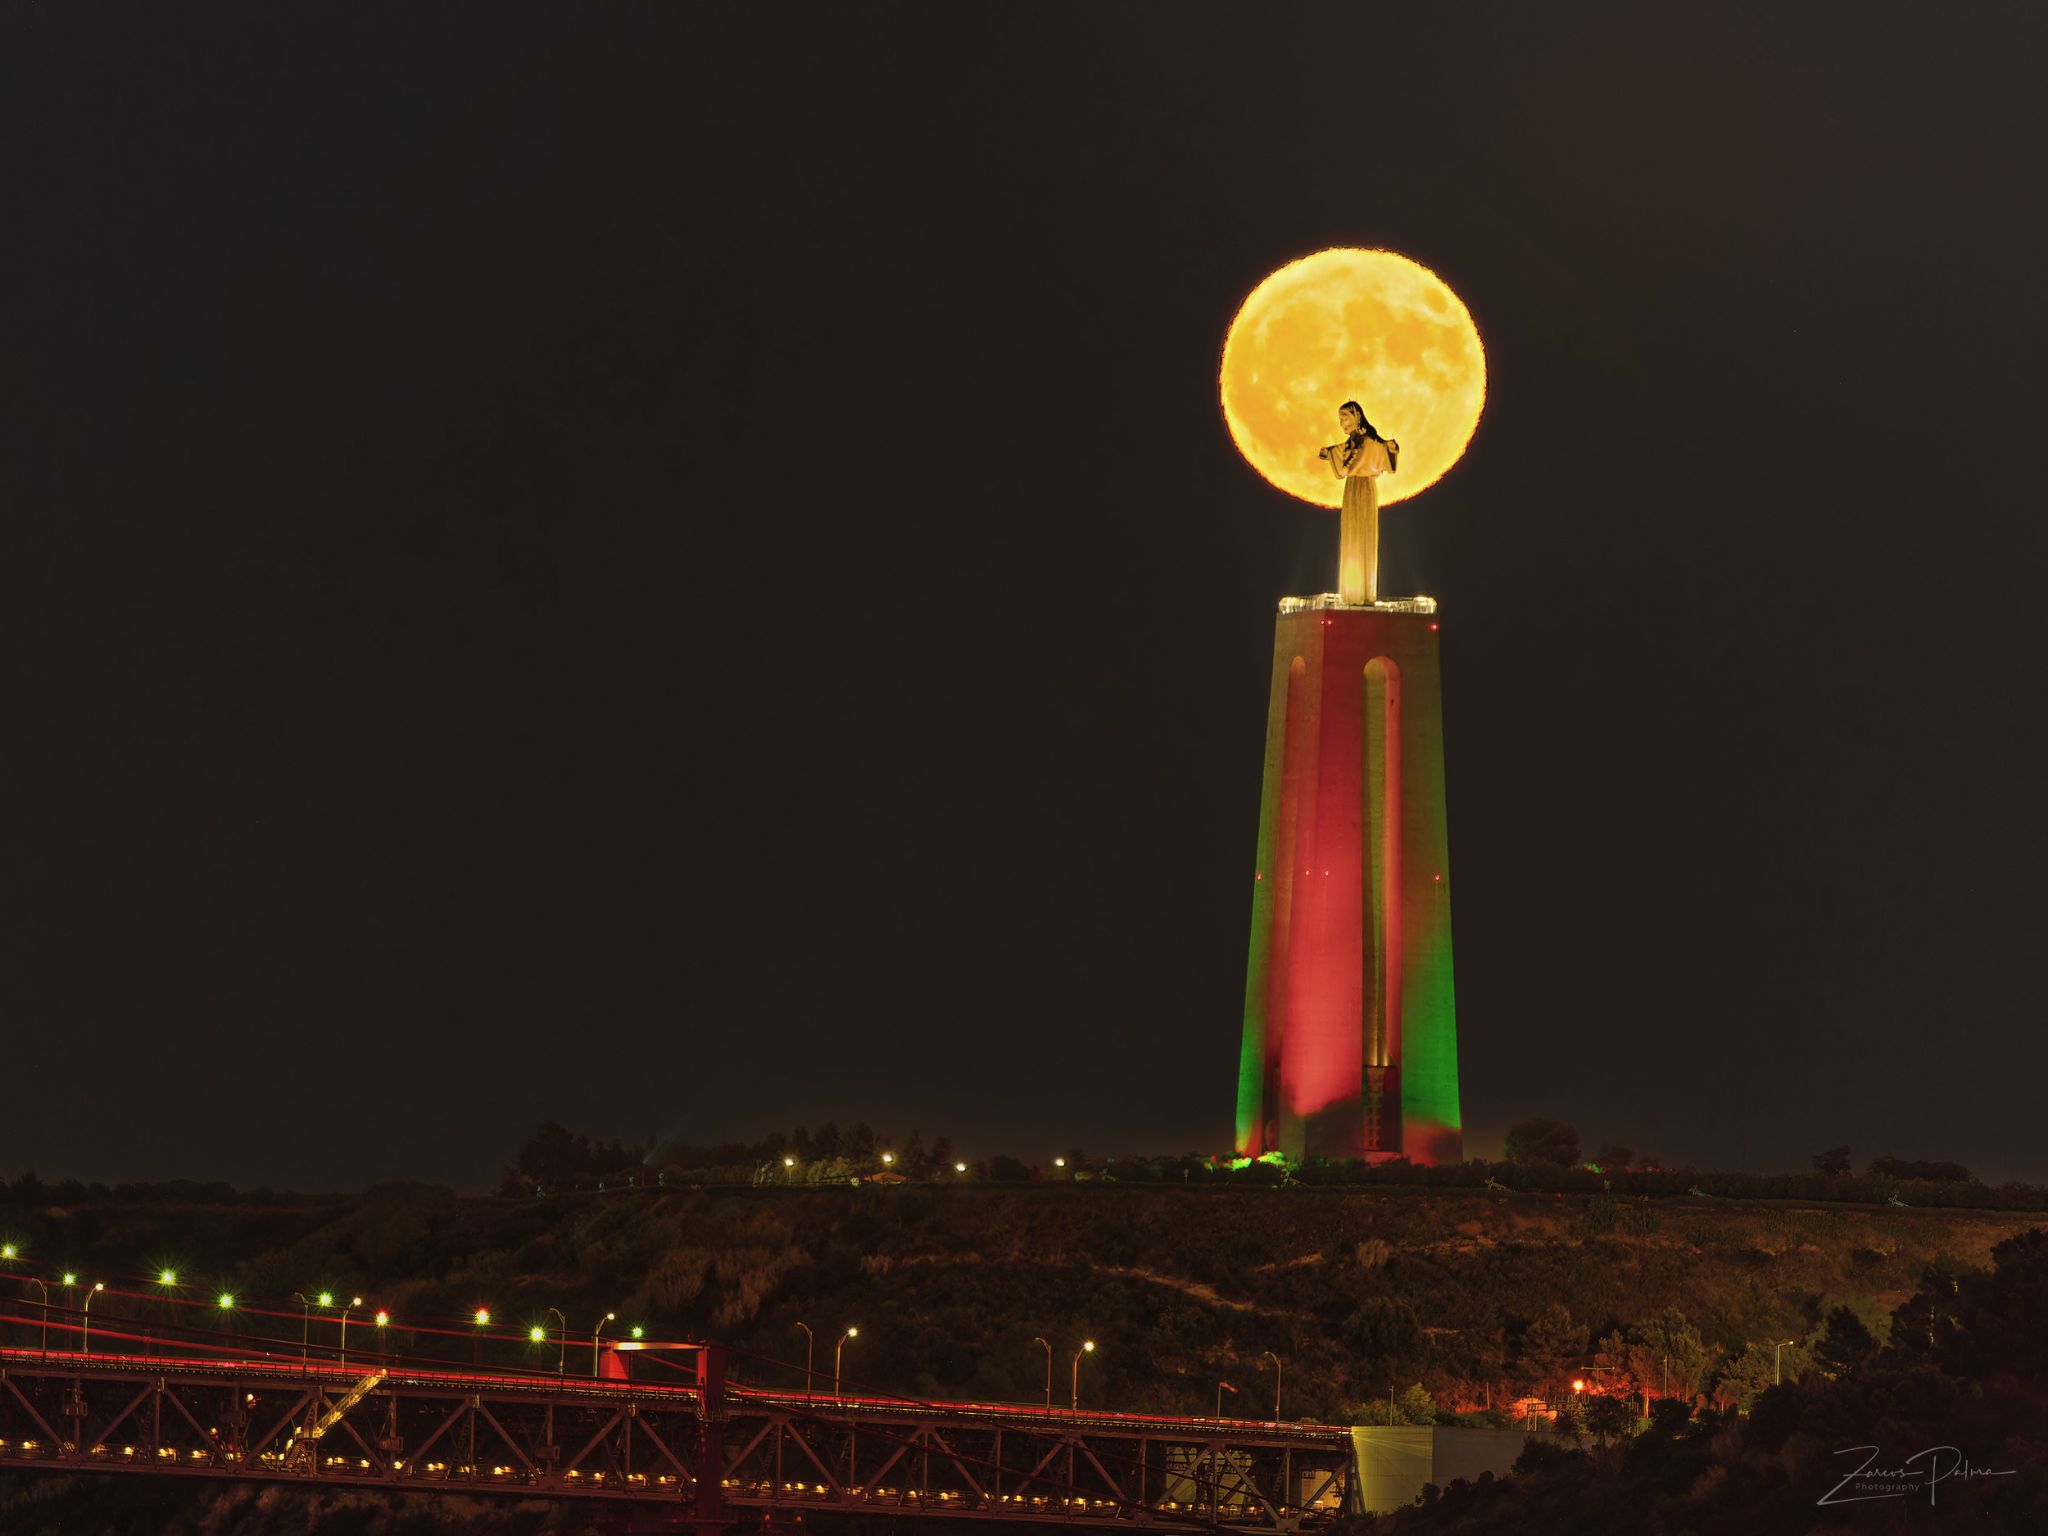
(716, 1456)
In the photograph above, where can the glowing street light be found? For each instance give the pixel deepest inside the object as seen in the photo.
(306, 1306)
(354, 1302)
(167, 1277)
(809, 1349)
(483, 1321)
(639, 1332)
(1059, 1162)
(959, 1167)
(1778, 1361)
(838, 1351)
(70, 1277)
(225, 1301)
(39, 1285)
(1269, 1355)
(85, 1332)
(9, 1252)
(1048, 1372)
(888, 1158)
(1087, 1348)
(609, 1317)
(1579, 1384)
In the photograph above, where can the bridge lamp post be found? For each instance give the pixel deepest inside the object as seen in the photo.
(838, 1351)
(789, 1170)
(381, 1322)
(70, 1283)
(1221, 1388)
(1269, 1355)
(1778, 1361)
(354, 1302)
(39, 1285)
(1048, 1372)
(595, 1333)
(85, 1334)
(809, 1344)
(306, 1305)
(562, 1360)
(1087, 1348)
(483, 1321)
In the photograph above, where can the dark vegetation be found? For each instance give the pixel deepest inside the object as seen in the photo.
(1456, 1298)
(1966, 1366)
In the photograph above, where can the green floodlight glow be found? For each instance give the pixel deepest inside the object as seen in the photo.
(168, 1277)
(227, 1301)
(537, 1333)
(327, 1298)
(638, 1331)
(9, 1251)
(70, 1277)
(483, 1317)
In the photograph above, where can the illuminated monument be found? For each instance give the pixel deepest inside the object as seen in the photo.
(1350, 1023)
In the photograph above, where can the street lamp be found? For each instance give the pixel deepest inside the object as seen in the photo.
(85, 1333)
(354, 1302)
(888, 1158)
(1048, 1373)
(809, 1343)
(609, 1317)
(837, 1352)
(1221, 1388)
(959, 1167)
(381, 1321)
(1269, 1355)
(39, 1285)
(562, 1360)
(1087, 1348)
(306, 1305)
(1778, 1361)
(483, 1321)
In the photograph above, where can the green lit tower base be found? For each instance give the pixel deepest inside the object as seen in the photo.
(1350, 1021)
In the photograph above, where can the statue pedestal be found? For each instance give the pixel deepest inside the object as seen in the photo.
(1350, 1029)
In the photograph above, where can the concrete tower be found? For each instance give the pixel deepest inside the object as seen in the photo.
(1350, 1025)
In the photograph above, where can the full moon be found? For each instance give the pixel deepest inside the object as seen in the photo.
(1348, 324)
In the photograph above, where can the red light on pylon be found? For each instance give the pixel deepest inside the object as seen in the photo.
(1432, 626)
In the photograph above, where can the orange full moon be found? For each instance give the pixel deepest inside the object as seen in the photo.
(1348, 324)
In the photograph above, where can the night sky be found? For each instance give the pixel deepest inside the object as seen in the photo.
(677, 568)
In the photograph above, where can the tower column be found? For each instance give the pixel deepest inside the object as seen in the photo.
(1350, 1034)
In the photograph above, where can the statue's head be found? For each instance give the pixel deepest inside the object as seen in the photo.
(1351, 417)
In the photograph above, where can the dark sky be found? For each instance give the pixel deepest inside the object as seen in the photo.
(677, 567)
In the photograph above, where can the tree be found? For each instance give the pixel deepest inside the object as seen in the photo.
(1613, 1155)
(1608, 1416)
(1754, 1371)
(1541, 1140)
(858, 1143)
(1660, 1356)
(826, 1143)
(1833, 1163)
(1554, 1340)
(1845, 1342)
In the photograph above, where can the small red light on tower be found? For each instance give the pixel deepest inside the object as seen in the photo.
(1432, 626)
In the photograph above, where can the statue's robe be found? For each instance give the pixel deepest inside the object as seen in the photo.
(1358, 528)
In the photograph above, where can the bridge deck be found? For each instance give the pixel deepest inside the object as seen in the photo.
(716, 1454)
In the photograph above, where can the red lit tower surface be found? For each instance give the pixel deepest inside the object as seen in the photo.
(1350, 1023)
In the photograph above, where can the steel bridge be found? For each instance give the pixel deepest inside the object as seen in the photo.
(706, 1454)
